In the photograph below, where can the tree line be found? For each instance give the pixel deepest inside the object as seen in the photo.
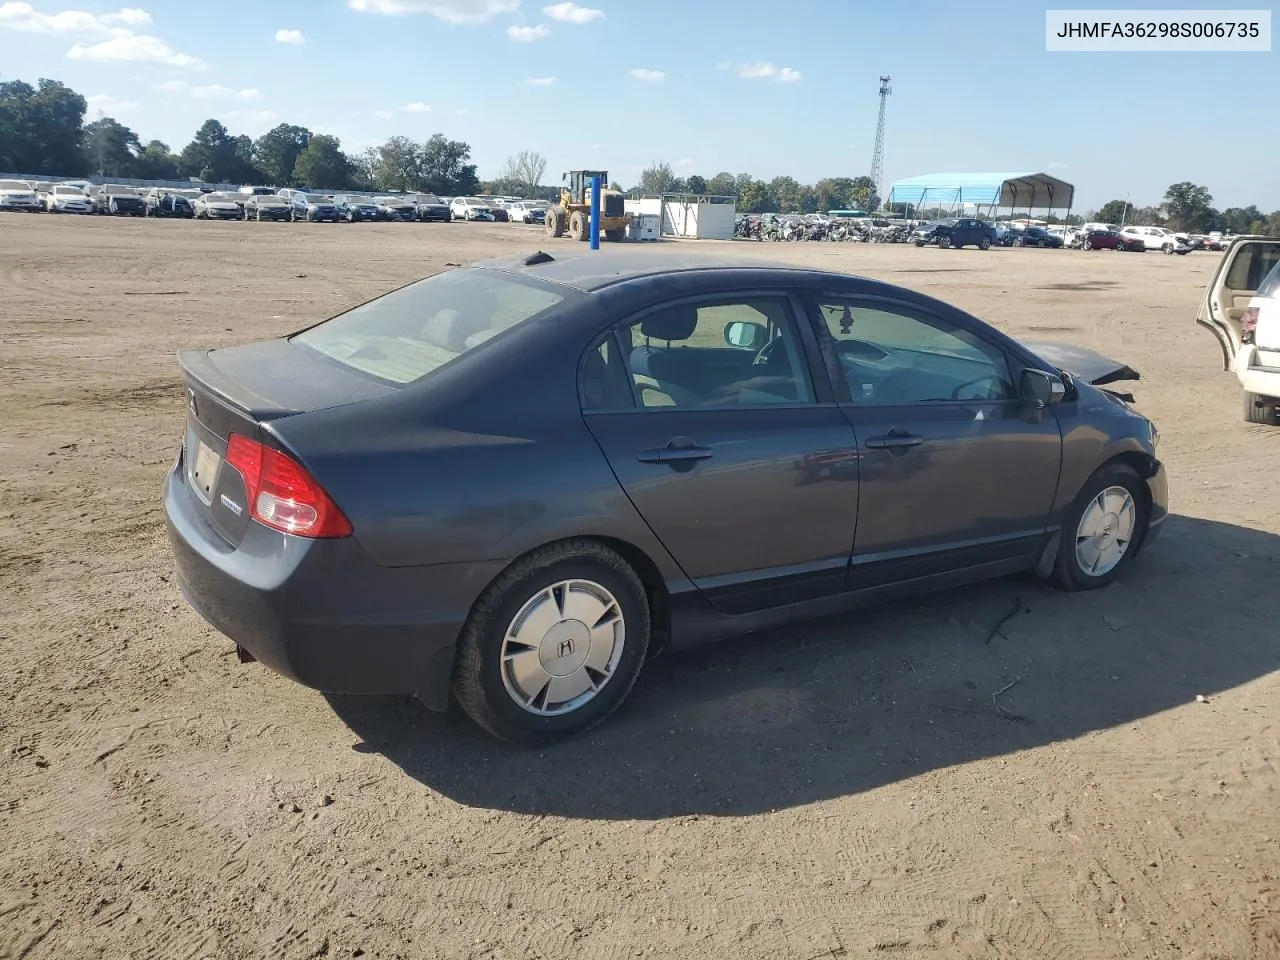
(1189, 207)
(779, 195)
(42, 130)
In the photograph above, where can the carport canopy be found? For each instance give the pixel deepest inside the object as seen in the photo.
(1027, 191)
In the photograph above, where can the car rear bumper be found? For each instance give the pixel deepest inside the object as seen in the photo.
(319, 611)
(1254, 376)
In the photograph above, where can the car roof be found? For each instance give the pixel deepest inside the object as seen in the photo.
(592, 271)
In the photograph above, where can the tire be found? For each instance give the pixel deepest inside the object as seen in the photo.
(487, 687)
(1121, 246)
(918, 243)
(579, 227)
(1042, 244)
(1167, 249)
(1259, 409)
(944, 242)
(1069, 571)
(984, 244)
(616, 235)
(1087, 245)
(555, 223)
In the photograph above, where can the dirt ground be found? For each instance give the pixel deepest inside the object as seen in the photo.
(898, 783)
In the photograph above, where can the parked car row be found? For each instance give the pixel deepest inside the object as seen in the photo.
(262, 203)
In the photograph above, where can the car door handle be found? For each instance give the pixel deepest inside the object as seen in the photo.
(677, 450)
(893, 441)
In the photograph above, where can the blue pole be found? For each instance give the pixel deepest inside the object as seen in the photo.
(596, 187)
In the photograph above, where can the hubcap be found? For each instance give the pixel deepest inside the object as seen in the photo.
(1105, 531)
(562, 647)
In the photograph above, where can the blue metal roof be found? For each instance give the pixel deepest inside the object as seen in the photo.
(1019, 190)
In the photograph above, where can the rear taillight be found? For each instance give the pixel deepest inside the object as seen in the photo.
(1249, 324)
(282, 495)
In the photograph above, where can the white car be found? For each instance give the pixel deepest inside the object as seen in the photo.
(62, 198)
(1157, 238)
(528, 211)
(470, 208)
(218, 206)
(19, 195)
(1242, 309)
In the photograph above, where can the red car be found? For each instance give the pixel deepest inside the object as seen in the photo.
(1110, 240)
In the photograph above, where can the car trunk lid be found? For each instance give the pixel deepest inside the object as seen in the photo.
(243, 389)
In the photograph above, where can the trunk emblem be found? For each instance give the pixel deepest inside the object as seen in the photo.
(230, 504)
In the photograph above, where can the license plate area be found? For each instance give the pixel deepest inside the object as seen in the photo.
(202, 470)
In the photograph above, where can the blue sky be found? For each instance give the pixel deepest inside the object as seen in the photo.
(752, 86)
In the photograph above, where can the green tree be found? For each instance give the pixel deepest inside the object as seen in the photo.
(787, 191)
(276, 152)
(399, 165)
(323, 164)
(41, 128)
(657, 178)
(696, 184)
(157, 162)
(754, 196)
(111, 148)
(211, 154)
(1114, 211)
(1189, 207)
(443, 167)
(1241, 219)
(862, 194)
(723, 184)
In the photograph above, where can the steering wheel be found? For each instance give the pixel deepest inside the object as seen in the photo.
(765, 355)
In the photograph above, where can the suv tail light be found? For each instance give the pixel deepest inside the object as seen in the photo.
(282, 495)
(1249, 325)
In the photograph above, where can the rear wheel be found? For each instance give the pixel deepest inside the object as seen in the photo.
(984, 243)
(1100, 530)
(554, 223)
(1259, 409)
(554, 645)
(944, 242)
(616, 234)
(579, 228)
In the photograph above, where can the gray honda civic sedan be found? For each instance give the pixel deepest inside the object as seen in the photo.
(514, 482)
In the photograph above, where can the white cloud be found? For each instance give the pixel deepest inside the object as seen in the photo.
(648, 76)
(528, 34)
(171, 86)
(762, 69)
(724, 65)
(135, 48)
(416, 107)
(110, 105)
(454, 11)
(116, 42)
(133, 16)
(290, 36)
(252, 122)
(460, 113)
(539, 81)
(24, 17)
(1059, 166)
(570, 12)
(216, 91)
(684, 165)
(383, 114)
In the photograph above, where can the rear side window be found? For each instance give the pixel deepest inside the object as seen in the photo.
(1253, 261)
(406, 334)
(1270, 286)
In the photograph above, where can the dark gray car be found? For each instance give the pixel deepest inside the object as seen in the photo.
(516, 481)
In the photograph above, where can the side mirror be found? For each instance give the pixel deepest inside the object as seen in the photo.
(745, 335)
(1040, 389)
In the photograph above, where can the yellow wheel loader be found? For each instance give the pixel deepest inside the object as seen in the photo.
(573, 212)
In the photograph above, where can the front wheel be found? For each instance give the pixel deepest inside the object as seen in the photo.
(944, 243)
(554, 645)
(1101, 530)
(984, 244)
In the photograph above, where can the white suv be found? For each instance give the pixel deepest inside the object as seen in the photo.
(1242, 309)
(1157, 238)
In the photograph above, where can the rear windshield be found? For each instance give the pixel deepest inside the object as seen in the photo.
(1270, 286)
(404, 335)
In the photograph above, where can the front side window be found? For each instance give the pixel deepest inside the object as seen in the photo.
(732, 352)
(892, 355)
(406, 334)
